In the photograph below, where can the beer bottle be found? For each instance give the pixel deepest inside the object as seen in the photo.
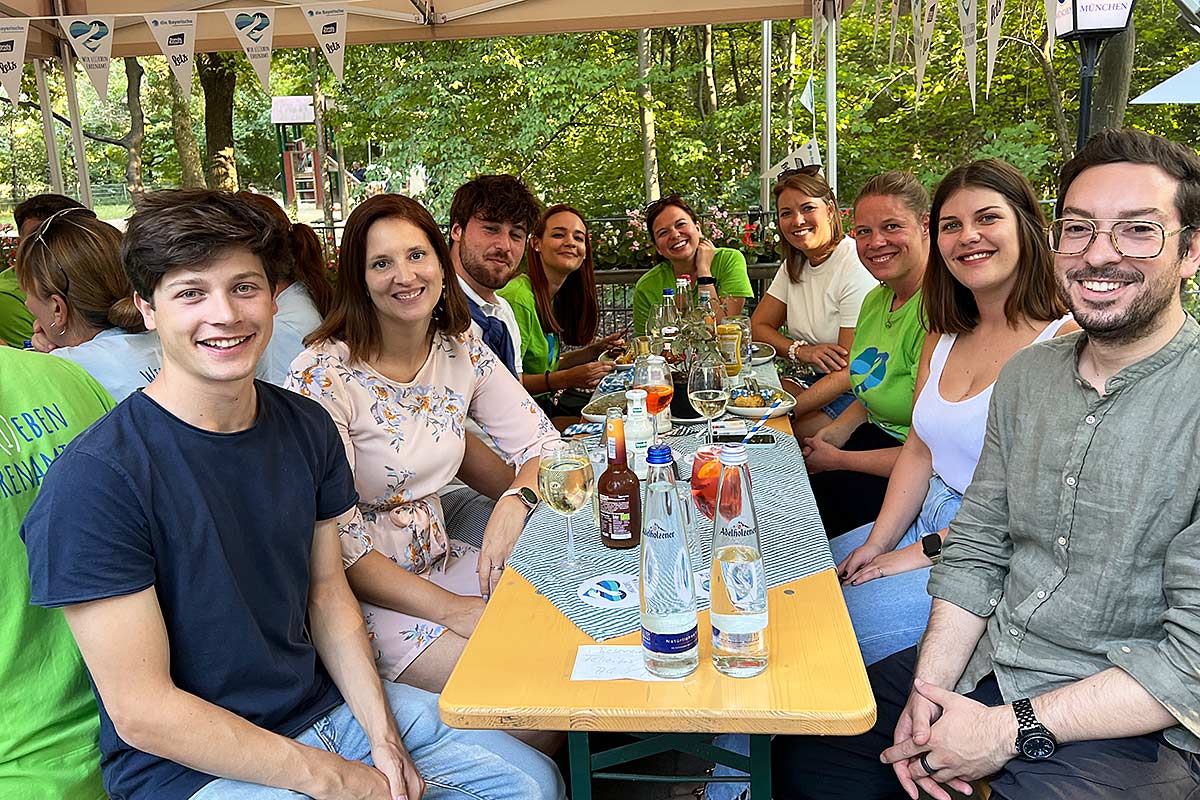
(619, 490)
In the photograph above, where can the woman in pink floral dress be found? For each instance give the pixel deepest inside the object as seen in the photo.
(399, 369)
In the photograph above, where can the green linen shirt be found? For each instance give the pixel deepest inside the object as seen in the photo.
(16, 323)
(1079, 536)
(728, 268)
(539, 350)
(884, 358)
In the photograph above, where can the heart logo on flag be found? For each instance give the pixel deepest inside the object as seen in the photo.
(257, 23)
(94, 31)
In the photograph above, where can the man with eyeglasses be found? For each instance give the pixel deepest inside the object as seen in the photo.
(1062, 656)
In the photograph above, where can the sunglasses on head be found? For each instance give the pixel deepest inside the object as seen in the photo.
(807, 169)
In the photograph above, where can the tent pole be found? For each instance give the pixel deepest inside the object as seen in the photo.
(764, 158)
(831, 165)
(52, 156)
(81, 165)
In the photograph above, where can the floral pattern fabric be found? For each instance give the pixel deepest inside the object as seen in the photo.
(405, 441)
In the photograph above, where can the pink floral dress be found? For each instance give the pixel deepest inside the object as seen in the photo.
(405, 441)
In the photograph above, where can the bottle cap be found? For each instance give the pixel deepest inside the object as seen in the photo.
(658, 454)
(613, 412)
(669, 291)
(733, 454)
(656, 360)
(636, 394)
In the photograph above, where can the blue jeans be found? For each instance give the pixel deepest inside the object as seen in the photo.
(456, 764)
(889, 614)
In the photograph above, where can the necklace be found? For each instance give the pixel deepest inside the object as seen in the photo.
(892, 312)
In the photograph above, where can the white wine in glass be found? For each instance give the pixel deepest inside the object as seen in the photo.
(566, 483)
(708, 390)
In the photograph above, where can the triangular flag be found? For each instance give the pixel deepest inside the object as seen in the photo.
(13, 35)
(895, 24)
(176, 37)
(802, 156)
(329, 26)
(806, 97)
(968, 22)
(995, 16)
(818, 26)
(926, 43)
(255, 29)
(875, 23)
(1051, 11)
(91, 39)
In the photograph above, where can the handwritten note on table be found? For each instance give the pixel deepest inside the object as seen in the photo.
(598, 662)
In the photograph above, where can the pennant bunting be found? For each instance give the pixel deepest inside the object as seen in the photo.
(329, 26)
(895, 24)
(995, 15)
(13, 35)
(255, 29)
(930, 15)
(176, 37)
(806, 97)
(91, 39)
(802, 156)
(968, 22)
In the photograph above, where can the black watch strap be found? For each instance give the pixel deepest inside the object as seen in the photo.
(1025, 717)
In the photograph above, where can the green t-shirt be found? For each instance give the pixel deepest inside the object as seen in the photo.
(48, 741)
(728, 268)
(884, 359)
(16, 323)
(539, 350)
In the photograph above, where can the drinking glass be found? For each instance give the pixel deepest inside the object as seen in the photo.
(706, 469)
(566, 483)
(708, 390)
(654, 376)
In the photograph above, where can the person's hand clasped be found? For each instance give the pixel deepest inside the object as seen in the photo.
(858, 558)
(825, 357)
(946, 739)
(394, 762)
(820, 455)
(896, 562)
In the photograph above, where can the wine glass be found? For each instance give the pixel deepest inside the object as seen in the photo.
(706, 469)
(654, 376)
(708, 390)
(566, 483)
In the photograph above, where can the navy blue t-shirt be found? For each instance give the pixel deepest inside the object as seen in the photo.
(221, 525)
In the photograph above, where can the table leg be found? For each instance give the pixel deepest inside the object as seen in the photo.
(760, 767)
(580, 752)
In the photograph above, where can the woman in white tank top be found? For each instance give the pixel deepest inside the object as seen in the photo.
(989, 291)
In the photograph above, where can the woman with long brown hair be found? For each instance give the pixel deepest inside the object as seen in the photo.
(555, 304)
(82, 301)
(303, 295)
(400, 370)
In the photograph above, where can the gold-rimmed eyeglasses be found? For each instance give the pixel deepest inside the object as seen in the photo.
(1132, 238)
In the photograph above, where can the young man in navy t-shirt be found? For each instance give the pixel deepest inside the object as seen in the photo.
(191, 538)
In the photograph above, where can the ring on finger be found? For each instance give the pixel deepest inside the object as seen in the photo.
(925, 764)
(498, 568)
(880, 571)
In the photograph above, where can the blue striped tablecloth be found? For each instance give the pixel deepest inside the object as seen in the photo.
(793, 539)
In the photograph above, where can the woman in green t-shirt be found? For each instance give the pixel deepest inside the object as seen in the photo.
(675, 232)
(555, 304)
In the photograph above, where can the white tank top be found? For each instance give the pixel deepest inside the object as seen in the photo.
(954, 431)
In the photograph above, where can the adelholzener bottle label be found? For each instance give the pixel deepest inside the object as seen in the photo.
(669, 643)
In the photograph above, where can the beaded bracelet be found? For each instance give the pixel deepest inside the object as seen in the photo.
(796, 345)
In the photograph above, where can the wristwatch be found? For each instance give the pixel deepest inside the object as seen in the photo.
(931, 546)
(1035, 742)
(526, 495)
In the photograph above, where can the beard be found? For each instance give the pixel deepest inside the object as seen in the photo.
(1104, 322)
(484, 272)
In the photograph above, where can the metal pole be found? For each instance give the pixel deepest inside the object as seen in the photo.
(81, 166)
(831, 154)
(52, 156)
(764, 185)
(1089, 57)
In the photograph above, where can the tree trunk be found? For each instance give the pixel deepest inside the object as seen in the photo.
(191, 168)
(738, 90)
(708, 84)
(218, 78)
(645, 101)
(789, 87)
(1112, 82)
(137, 125)
(319, 170)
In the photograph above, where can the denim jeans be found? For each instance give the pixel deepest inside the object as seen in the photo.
(889, 614)
(456, 764)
